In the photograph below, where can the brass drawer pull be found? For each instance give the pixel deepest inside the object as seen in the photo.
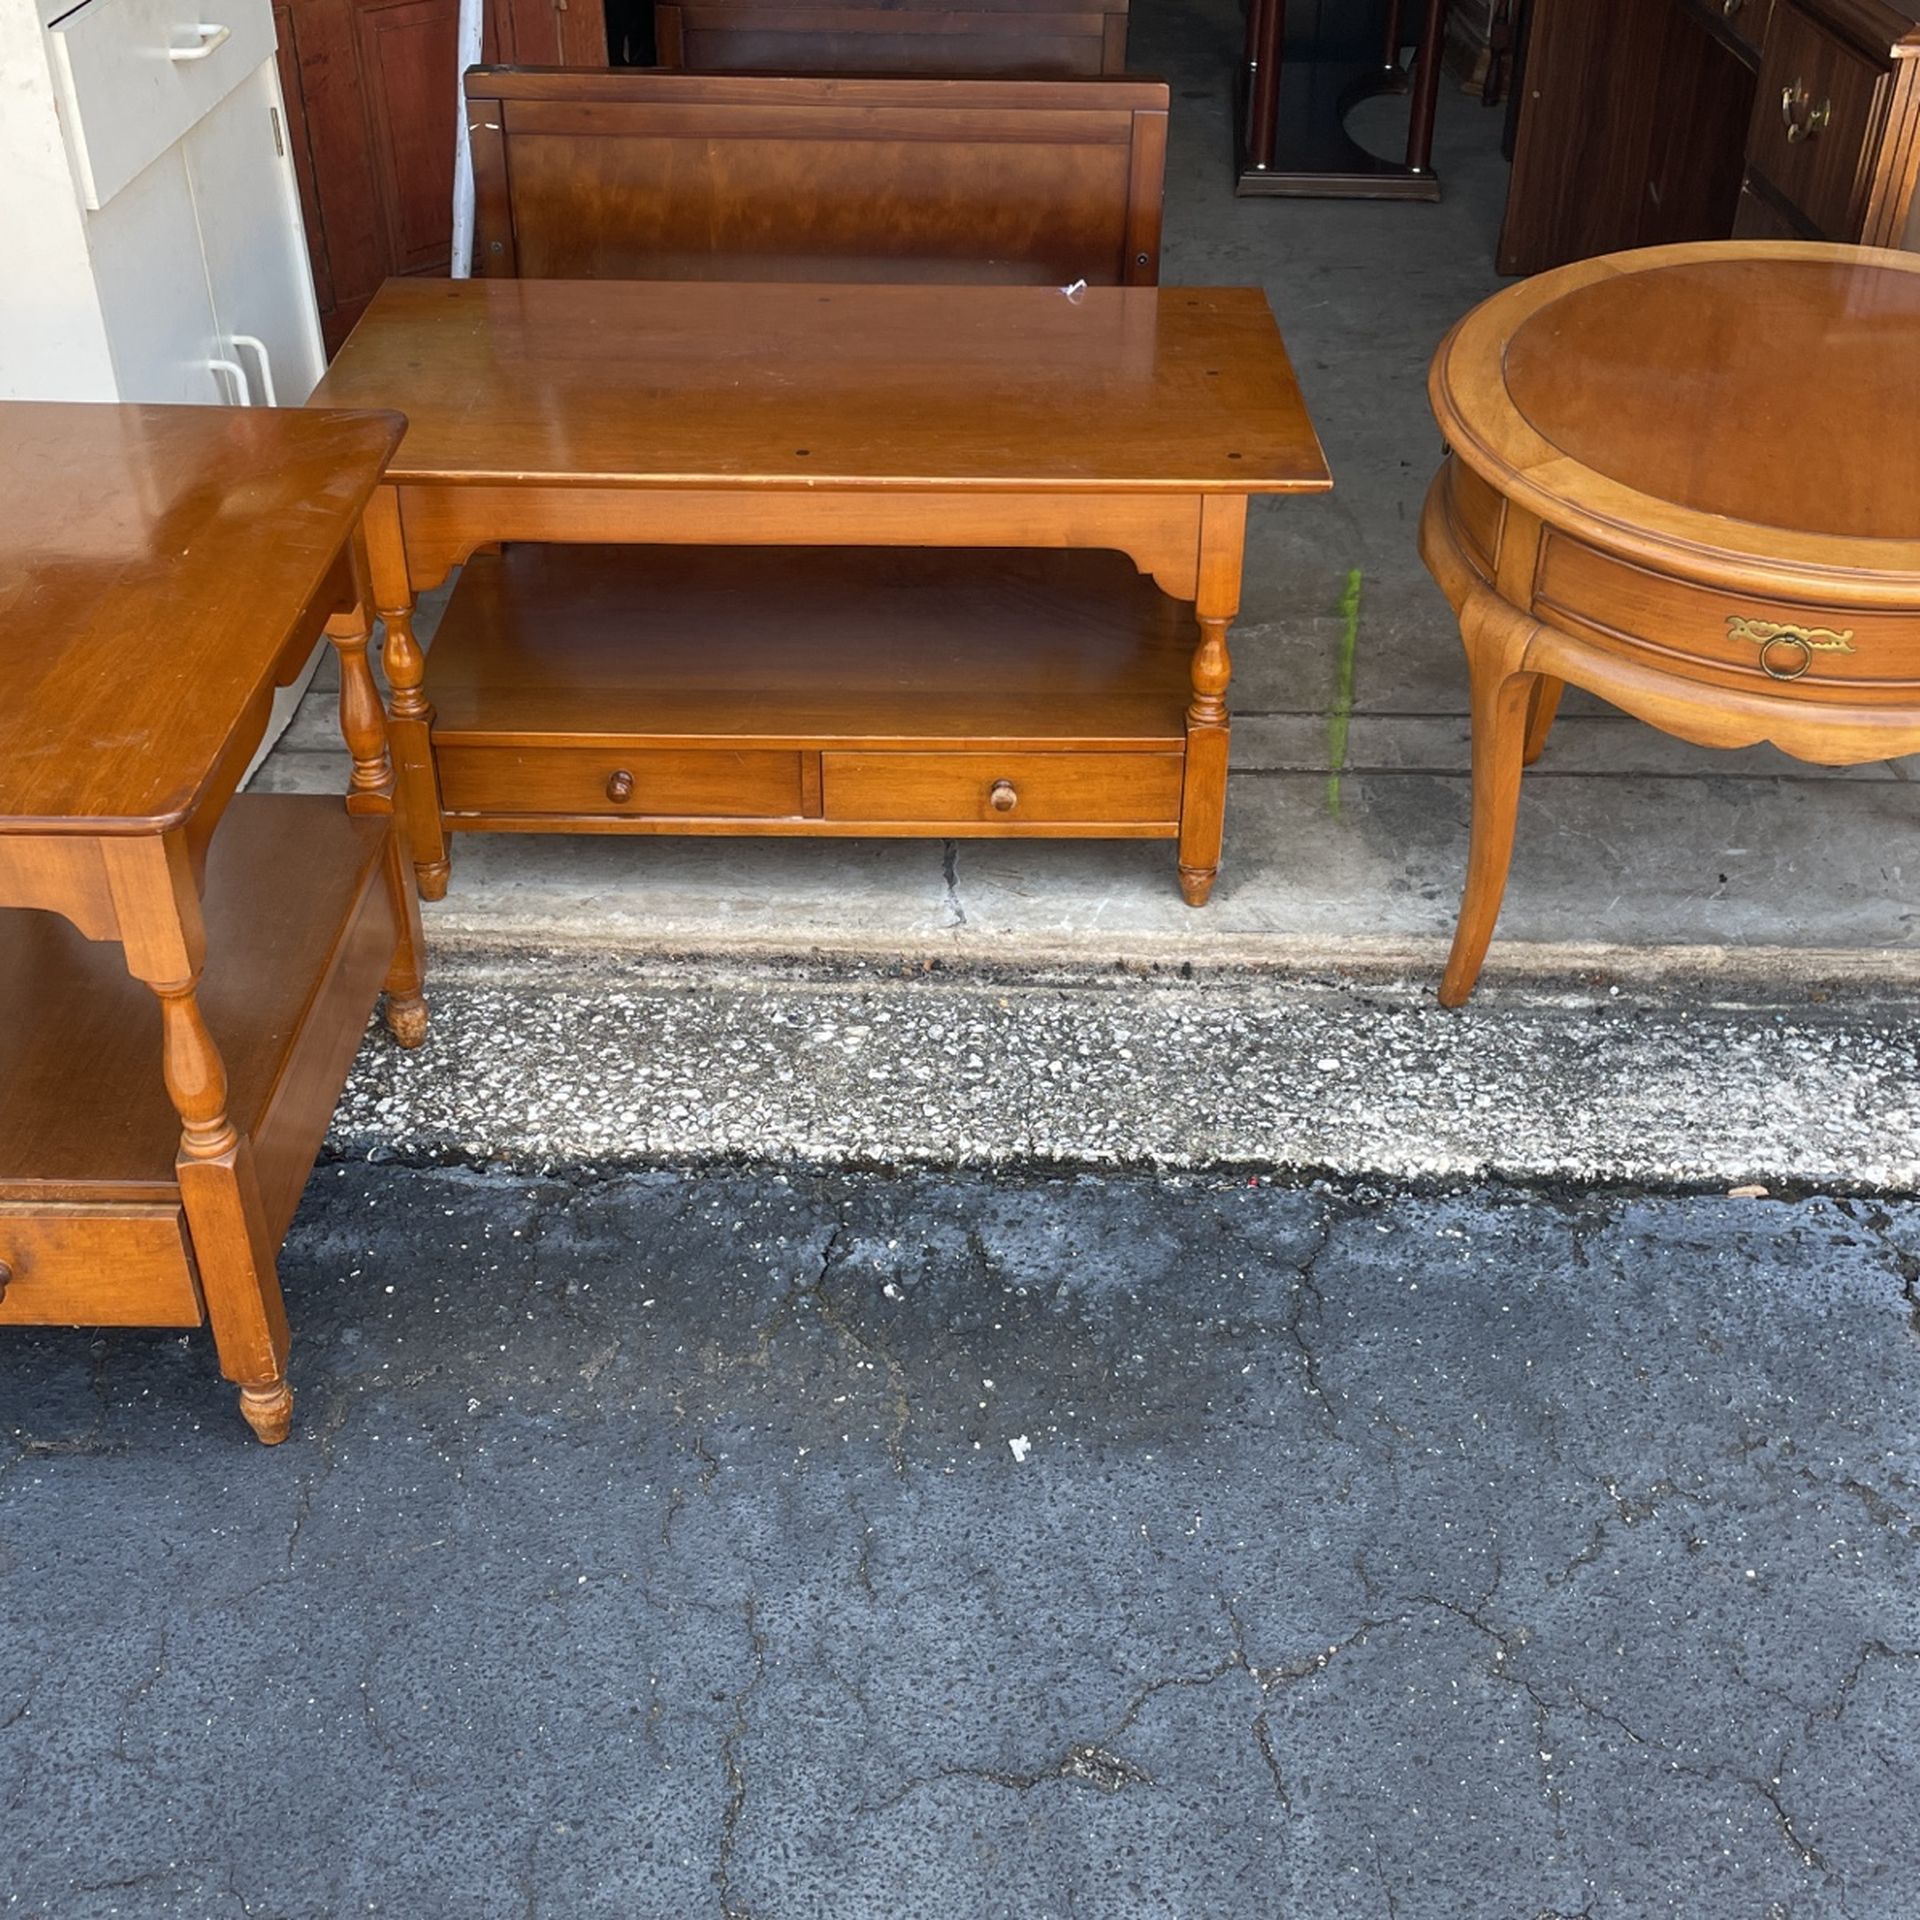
(1787, 652)
(620, 787)
(1004, 796)
(1803, 118)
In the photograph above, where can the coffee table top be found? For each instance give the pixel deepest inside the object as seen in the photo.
(154, 564)
(1737, 397)
(692, 383)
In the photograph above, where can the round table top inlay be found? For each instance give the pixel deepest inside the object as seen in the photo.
(1783, 391)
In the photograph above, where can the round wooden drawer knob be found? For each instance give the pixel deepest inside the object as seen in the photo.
(1003, 798)
(6, 1278)
(620, 787)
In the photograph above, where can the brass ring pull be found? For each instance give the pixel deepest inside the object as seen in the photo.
(1786, 656)
(1004, 797)
(1787, 652)
(1802, 116)
(620, 787)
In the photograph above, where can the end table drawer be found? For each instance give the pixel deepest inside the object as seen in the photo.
(97, 1267)
(1826, 650)
(1010, 789)
(699, 783)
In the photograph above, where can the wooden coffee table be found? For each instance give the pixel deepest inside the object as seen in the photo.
(162, 570)
(759, 655)
(1688, 480)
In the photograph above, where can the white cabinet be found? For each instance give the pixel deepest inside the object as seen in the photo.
(170, 262)
(151, 245)
(254, 243)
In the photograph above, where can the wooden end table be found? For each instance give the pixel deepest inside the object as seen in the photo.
(162, 570)
(1688, 480)
(869, 583)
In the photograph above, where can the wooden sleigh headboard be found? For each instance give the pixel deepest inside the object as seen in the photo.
(652, 175)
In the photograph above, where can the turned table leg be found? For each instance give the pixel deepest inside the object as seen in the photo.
(1203, 800)
(1502, 696)
(410, 717)
(221, 1195)
(373, 789)
(1203, 796)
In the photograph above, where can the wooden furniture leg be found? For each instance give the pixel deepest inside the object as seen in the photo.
(410, 719)
(1540, 712)
(221, 1194)
(1502, 694)
(372, 788)
(1203, 797)
(158, 911)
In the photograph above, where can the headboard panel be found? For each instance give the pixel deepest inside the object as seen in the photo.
(592, 174)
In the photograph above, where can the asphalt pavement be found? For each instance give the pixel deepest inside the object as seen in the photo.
(1083, 1547)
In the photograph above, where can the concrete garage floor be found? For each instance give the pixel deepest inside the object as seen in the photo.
(1627, 838)
(971, 1548)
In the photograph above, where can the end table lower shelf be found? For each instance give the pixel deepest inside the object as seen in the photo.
(300, 937)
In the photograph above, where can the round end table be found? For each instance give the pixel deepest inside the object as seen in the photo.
(1687, 480)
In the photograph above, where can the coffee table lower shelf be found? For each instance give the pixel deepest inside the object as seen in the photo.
(300, 936)
(816, 691)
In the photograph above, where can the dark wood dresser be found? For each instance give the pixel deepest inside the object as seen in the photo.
(1648, 122)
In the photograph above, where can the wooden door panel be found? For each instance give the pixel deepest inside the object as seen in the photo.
(408, 50)
(371, 87)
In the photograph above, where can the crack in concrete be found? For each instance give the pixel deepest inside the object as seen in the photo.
(956, 914)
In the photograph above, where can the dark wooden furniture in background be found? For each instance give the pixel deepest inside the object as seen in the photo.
(983, 38)
(675, 176)
(1307, 64)
(825, 686)
(162, 569)
(1651, 122)
(372, 96)
(1671, 482)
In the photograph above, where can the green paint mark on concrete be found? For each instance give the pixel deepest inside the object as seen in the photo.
(1341, 716)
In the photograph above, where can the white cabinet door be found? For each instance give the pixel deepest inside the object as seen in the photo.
(145, 244)
(254, 243)
(136, 74)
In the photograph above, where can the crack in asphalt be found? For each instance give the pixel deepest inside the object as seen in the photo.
(735, 1771)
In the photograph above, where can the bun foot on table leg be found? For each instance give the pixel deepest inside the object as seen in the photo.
(268, 1411)
(406, 1018)
(1196, 884)
(431, 879)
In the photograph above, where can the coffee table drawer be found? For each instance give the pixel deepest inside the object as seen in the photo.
(1820, 649)
(716, 783)
(1002, 788)
(96, 1267)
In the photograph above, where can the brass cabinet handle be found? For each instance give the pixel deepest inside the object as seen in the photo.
(1787, 652)
(620, 787)
(1802, 116)
(1004, 797)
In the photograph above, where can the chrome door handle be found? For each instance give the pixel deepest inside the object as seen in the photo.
(210, 38)
(254, 343)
